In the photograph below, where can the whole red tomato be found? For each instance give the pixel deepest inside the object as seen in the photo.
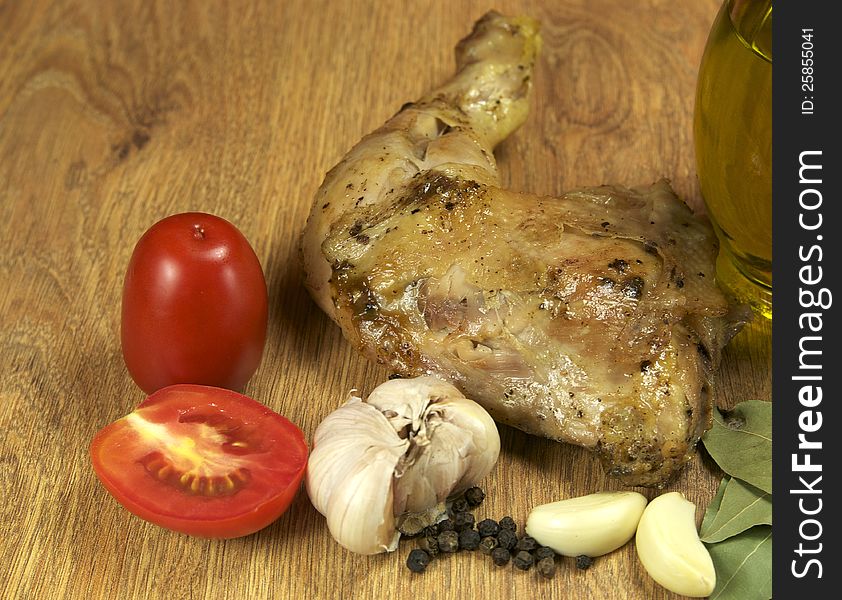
(194, 305)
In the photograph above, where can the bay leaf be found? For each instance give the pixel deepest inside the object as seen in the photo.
(740, 442)
(743, 565)
(713, 507)
(741, 507)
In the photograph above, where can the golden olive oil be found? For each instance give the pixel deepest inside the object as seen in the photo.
(733, 135)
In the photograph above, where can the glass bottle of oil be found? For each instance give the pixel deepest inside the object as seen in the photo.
(733, 136)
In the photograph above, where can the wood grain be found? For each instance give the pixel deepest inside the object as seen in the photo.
(116, 114)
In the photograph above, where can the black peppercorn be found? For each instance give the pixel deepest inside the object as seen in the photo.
(462, 521)
(507, 539)
(469, 539)
(508, 523)
(445, 525)
(546, 567)
(583, 561)
(487, 544)
(523, 560)
(544, 552)
(527, 543)
(474, 496)
(500, 556)
(488, 527)
(459, 505)
(430, 545)
(448, 541)
(431, 530)
(417, 560)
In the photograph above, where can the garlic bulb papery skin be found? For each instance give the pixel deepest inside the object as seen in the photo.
(349, 477)
(404, 450)
(454, 442)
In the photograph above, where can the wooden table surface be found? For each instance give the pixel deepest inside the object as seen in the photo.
(116, 114)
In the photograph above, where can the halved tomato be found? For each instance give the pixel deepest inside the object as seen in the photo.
(202, 460)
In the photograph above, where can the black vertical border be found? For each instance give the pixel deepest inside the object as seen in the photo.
(792, 134)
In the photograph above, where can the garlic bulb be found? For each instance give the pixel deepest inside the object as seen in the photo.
(399, 453)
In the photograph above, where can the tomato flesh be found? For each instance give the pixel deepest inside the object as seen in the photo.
(203, 461)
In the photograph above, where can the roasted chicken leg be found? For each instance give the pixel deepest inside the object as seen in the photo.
(592, 318)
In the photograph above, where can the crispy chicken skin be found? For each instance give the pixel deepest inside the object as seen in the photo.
(592, 318)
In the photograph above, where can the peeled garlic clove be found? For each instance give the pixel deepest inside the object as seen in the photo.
(395, 457)
(669, 547)
(592, 525)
